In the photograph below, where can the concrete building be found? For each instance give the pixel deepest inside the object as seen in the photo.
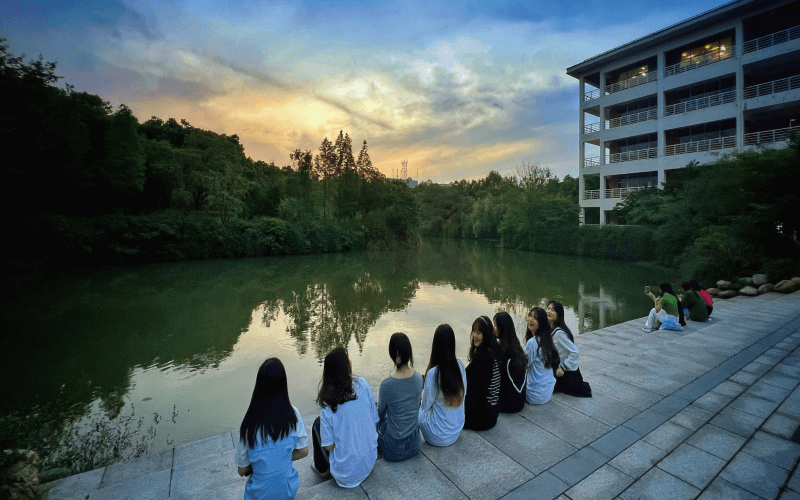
(725, 80)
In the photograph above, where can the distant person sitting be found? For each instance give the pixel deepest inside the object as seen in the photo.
(703, 293)
(664, 314)
(693, 304)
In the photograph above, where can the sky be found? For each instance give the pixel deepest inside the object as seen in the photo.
(457, 89)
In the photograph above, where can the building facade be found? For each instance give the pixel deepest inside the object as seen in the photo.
(725, 80)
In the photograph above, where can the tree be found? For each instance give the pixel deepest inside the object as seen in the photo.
(123, 168)
(325, 169)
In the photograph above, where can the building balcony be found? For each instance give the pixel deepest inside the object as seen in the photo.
(591, 194)
(772, 39)
(591, 128)
(700, 103)
(648, 77)
(591, 162)
(699, 62)
(592, 94)
(770, 136)
(701, 146)
(623, 192)
(631, 119)
(636, 154)
(773, 87)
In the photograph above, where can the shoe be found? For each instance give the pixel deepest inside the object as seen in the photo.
(645, 329)
(325, 474)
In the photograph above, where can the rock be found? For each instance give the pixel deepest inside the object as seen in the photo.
(20, 479)
(743, 282)
(787, 286)
(749, 291)
(724, 285)
(765, 288)
(759, 279)
(713, 291)
(52, 474)
(727, 294)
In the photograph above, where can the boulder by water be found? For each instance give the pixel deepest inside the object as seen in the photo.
(787, 286)
(759, 279)
(765, 288)
(742, 282)
(724, 285)
(727, 294)
(749, 291)
(713, 291)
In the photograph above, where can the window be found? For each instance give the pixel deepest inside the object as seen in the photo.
(713, 50)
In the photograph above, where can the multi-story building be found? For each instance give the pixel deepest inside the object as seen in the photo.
(725, 80)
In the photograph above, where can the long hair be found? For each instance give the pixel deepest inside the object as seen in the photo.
(544, 337)
(337, 381)
(558, 307)
(666, 288)
(508, 342)
(489, 343)
(270, 413)
(443, 356)
(400, 350)
(695, 286)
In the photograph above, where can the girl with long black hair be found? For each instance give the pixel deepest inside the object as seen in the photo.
(441, 413)
(513, 363)
(482, 404)
(568, 375)
(271, 436)
(543, 358)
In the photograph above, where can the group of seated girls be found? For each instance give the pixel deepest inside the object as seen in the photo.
(670, 310)
(351, 428)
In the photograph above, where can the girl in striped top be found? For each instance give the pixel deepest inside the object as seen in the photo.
(482, 403)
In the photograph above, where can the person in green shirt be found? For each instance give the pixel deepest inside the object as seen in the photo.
(666, 310)
(693, 303)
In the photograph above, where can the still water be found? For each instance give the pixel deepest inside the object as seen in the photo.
(190, 336)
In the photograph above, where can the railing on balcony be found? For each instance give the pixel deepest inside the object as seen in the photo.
(592, 94)
(701, 146)
(631, 119)
(591, 194)
(772, 39)
(622, 192)
(699, 62)
(782, 85)
(638, 154)
(770, 136)
(648, 77)
(700, 103)
(591, 128)
(591, 162)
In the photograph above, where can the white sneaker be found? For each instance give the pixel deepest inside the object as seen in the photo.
(321, 474)
(646, 329)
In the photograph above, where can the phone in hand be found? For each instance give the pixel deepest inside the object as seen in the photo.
(647, 290)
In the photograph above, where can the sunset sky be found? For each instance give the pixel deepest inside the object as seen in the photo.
(457, 89)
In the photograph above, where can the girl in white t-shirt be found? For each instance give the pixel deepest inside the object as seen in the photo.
(344, 435)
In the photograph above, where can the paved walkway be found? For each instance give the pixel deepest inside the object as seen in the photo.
(705, 413)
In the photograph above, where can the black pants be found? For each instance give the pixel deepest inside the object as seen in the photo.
(572, 383)
(321, 455)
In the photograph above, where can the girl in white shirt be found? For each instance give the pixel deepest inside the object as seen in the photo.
(543, 358)
(568, 375)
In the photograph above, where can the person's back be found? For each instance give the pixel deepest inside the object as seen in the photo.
(482, 405)
(512, 385)
(440, 424)
(540, 379)
(398, 409)
(698, 311)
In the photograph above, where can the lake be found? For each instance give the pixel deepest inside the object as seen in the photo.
(190, 336)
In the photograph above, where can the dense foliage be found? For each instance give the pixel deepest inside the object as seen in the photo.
(98, 182)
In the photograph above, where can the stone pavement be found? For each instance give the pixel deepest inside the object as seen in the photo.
(706, 413)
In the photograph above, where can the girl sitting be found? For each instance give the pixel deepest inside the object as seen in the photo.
(512, 364)
(568, 374)
(543, 358)
(483, 378)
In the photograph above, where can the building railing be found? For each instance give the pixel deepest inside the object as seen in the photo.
(782, 85)
(699, 62)
(700, 146)
(700, 103)
(591, 162)
(622, 192)
(770, 136)
(592, 94)
(591, 194)
(631, 119)
(772, 39)
(638, 154)
(591, 128)
(648, 77)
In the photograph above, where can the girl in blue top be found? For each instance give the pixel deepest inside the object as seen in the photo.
(543, 358)
(271, 436)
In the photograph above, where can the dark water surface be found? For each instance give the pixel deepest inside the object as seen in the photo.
(191, 335)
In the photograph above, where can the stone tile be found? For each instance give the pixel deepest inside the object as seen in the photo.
(743, 424)
(781, 425)
(791, 407)
(692, 417)
(637, 459)
(794, 481)
(744, 378)
(670, 405)
(692, 465)
(599, 407)
(764, 390)
(603, 484)
(623, 392)
(658, 485)
(730, 389)
(712, 402)
(789, 495)
(646, 421)
(787, 371)
(754, 475)
(147, 464)
(308, 478)
(578, 465)
(79, 484)
(719, 442)
(721, 489)
(329, 490)
(615, 441)
(773, 449)
(531, 446)
(479, 469)
(779, 380)
(667, 436)
(570, 425)
(753, 405)
(646, 379)
(193, 479)
(199, 450)
(769, 359)
(418, 476)
(153, 486)
(545, 486)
